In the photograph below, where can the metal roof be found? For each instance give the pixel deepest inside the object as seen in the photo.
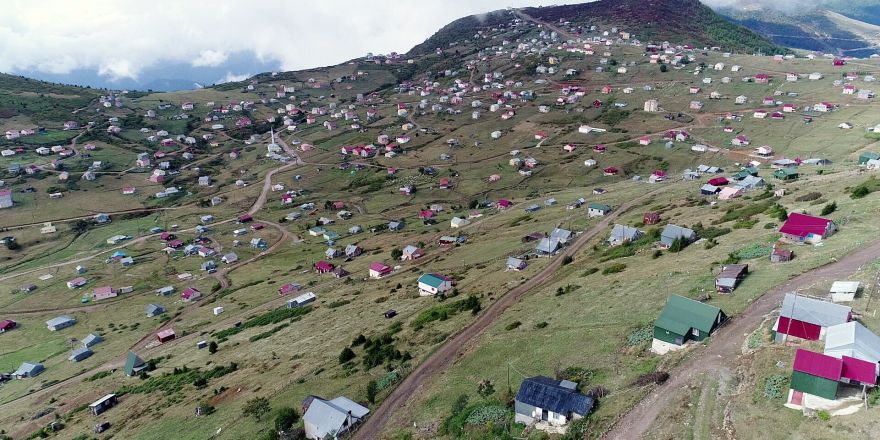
(330, 416)
(814, 311)
(854, 340)
(682, 314)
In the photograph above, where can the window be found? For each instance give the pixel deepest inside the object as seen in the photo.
(695, 332)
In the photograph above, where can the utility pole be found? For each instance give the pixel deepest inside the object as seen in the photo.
(508, 374)
(788, 326)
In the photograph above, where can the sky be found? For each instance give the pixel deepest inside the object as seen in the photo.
(122, 39)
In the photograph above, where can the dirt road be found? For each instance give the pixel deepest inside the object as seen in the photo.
(726, 345)
(458, 344)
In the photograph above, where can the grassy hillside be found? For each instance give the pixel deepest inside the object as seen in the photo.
(41, 101)
(675, 20)
(460, 29)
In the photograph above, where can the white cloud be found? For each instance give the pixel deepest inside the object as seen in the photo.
(231, 77)
(210, 58)
(122, 37)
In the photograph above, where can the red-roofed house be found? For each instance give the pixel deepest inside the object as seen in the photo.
(806, 228)
(762, 78)
(504, 204)
(104, 293)
(815, 378)
(6, 325)
(610, 171)
(379, 270)
(444, 184)
(323, 267)
(244, 218)
(166, 335)
(645, 140)
(288, 289)
(190, 294)
(718, 181)
(426, 214)
(858, 371)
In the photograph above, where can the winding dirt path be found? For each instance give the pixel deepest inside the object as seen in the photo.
(726, 345)
(459, 343)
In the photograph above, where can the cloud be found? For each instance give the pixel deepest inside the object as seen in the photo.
(776, 5)
(210, 58)
(231, 77)
(120, 38)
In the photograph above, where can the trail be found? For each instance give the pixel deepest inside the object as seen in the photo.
(457, 345)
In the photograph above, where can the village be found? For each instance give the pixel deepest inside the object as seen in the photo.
(607, 211)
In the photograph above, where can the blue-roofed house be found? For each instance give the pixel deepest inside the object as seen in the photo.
(434, 284)
(622, 234)
(91, 340)
(60, 322)
(563, 236)
(79, 354)
(28, 369)
(547, 246)
(556, 402)
(671, 233)
(154, 310)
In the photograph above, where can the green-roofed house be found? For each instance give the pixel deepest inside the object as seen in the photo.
(597, 209)
(868, 155)
(789, 173)
(683, 320)
(133, 364)
(431, 284)
(746, 172)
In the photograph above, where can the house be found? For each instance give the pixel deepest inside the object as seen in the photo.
(6, 198)
(650, 218)
(103, 404)
(597, 209)
(28, 369)
(730, 277)
(554, 402)
(229, 258)
(76, 282)
(622, 234)
(323, 267)
(610, 171)
(854, 340)
(411, 252)
(104, 292)
(645, 140)
(868, 156)
(80, 354)
(323, 419)
(844, 291)
(786, 174)
(392, 226)
(547, 246)
(730, 192)
(165, 335)
(683, 320)
(671, 233)
(816, 377)
(806, 228)
(133, 364)
(60, 322)
(154, 310)
(780, 255)
(808, 318)
(301, 300)
(7, 324)
(353, 250)
(709, 189)
(379, 270)
(458, 222)
(431, 284)
(190, 294)
(740, 141)
(514, 263)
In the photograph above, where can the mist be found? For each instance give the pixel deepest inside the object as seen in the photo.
(787, 6)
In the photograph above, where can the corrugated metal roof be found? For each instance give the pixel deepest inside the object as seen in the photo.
(682, 314)
(329, 416)
(817, 364)
(852, 339)
(814, 311)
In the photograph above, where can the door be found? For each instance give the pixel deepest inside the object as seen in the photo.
(544, 415)
(797, 397)
(679, 340)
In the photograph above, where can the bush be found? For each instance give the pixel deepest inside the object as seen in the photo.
(829, 208)
(542, 324)
(513, 325)
(212, 347)
(484, 415)
(346, 355)
(285, 418)
(656, 254)
(823, 415)
(372, 389)
(614, 268)
(859, 192)
(567, 260)
(656, 377)
(598, 392)
(808, 197)
(256, 408)
(590, 271)
(774, 386)
(641, 335)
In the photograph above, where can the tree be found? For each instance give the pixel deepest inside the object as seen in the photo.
(346, 355)
(677, 245)
(212, 347)
(285, 418)
(782, 214)
(372, 389)
(486, 388)
(256, 408)
(396, 254)
(860, 191)
(663, 68)
(80, 226)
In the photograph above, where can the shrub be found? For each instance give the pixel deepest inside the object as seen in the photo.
(829, 208)
(859, 192)
(614, 268)
(372, 389)
(823, 415)
(484, 415)
(657, 254)
(346, 355)
(590, 271)
(513, 325)
(285, 418)
(567, 260)
(212, 347)
(656, 377)
(774, 386)
(808, 197)
(598, 392)
(542, 324)
(485, 388)
(640, 335)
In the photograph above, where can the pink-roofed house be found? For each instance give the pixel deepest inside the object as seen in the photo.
(165, 335)
(504, 204)
(323, 267)
(104, 293)
(379, 270)
(190, 294)
(645, 140)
